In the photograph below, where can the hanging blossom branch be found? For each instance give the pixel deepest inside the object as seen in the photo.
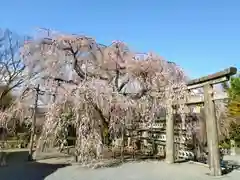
(103, 84)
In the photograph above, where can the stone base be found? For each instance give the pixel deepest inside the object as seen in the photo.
(169, 161)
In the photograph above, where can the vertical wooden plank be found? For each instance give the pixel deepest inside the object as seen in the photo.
(208, 125)
(233, 147)
(212, 131)
(54, 95)
(170, 153)
(203, 131)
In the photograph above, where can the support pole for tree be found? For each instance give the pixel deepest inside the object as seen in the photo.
(170, 136)
(54, 95)
(30, 155)
(212, 131)
(53, 100)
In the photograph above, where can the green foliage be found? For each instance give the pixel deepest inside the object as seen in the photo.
(234, 107)
(5, 98)
(234, 95)
(225, 144)
(235, 131)
(234, 90)
(19, 141)
(67, 116)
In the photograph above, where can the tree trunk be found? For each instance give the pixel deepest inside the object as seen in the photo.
(3, 157)
(3, 138)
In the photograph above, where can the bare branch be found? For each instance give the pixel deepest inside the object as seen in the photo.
(11, 65)
(111, 84)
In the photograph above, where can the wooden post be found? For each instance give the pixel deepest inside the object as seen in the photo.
(55, 91)
(212, 131)
(209, 110)
(233, 147)
(30, 155)
(170, 155)
(3, 154)
(203, 131)
(145, 135)
(42, 144)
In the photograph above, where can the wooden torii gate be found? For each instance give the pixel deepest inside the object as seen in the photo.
(208, 99)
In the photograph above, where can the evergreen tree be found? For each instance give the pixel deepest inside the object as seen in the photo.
(234, 107)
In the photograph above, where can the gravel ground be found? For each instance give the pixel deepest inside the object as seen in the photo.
(147, 170)
(58, 169)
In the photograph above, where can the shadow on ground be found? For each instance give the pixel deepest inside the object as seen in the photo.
(118, 160)
(19, 168)
(229, 166)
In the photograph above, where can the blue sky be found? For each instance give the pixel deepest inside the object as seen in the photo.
(201, 36)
